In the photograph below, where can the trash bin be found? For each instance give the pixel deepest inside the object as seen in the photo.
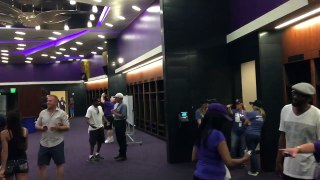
(29, 123)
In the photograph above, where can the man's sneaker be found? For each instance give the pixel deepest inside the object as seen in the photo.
(92, 159)
(98, 157)
(116, 157)
(109, 140)
(253, 174)
(121, 158)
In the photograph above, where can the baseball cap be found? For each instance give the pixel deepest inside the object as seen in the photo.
(304, 88)
(237, 101)
(118, 95)
(256, 103)
(219, 109)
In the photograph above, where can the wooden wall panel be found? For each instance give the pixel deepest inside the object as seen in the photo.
(29, 101)
(302, 41)
(97, 85)
(155, 72)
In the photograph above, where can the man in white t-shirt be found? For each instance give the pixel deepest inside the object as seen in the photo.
(96, 132)
(299, 124)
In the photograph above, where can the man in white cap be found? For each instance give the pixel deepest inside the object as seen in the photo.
(299, 124)
(120, 116)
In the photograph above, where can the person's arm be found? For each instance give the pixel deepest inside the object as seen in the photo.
(304, 148)
(64, 125)
(39, 126)
(122, 113)
(102, 98)
(280, 158)
(229, 109)
(225, 155)
(194, 154)
(4, 152)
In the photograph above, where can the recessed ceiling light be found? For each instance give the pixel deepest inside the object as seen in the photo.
(113, 63)
(105, 42)
(97, 0)
(5, 51)
(18, 38)
(136, 8)
(56, 33)
(4, 61)
(121, 17)
(92, 17)
(38, 27)
(101, 48)
(6, 58)
(120, 60)
(78, 59)
(20, 33)
(109, 24)
(58, 52)
(29, 58)
(101, 36)
(79, 43)
(66, 55)
(28, 62)
(20, 48)
(57, 62)
(44, 55)
(93, 52)
(72, 2)
(22, 45)
(4, 54)
(89, 24)
(94, 9)
(62, 49)
(8, 26)
(153, 9)
(66, 27)
(81, 55)
(52, 38)
(53, 57)
(70, 59)
(73, 48)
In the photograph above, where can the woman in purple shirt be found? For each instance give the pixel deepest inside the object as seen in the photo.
(210, 150)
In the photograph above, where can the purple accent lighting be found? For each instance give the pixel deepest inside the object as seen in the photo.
(57, 42)
(103, 15)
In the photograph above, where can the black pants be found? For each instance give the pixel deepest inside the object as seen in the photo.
(120, 129)
(285, 177)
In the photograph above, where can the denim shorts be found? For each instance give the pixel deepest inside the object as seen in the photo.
(16, 166)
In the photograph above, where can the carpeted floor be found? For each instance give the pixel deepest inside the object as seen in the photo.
(146, 162)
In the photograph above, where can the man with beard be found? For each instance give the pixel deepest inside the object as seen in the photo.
(299, 124)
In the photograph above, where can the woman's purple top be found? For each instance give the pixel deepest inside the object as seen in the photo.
(210, 165)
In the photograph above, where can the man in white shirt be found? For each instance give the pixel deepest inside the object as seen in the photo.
(52, 122)
(299, 124)
(96, 132)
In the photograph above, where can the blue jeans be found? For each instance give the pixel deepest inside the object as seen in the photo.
(238, 144)
(252, 141)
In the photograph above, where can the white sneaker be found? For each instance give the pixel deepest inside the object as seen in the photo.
(109, 140)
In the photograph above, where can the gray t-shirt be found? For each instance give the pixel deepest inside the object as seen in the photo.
(52, 138)
(301, 129)
(122, 109)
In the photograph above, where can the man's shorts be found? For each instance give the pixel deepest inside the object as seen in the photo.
(56, 153)
(96, 136)
(108, 125)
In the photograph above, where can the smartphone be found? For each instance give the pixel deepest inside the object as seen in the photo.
(287, 154)
(45, 128)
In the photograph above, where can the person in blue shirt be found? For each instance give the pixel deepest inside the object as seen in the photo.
(254, 124)
(237, 133)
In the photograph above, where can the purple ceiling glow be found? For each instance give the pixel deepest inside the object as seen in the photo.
(57, 42)
(103, 15)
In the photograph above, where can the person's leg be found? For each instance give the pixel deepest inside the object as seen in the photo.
(43, 172)
(21, 176)
(92, 141)
(123, 139)
(243, 146)
(252, 141)
(60, 172)
(117, 131)
(234, 144)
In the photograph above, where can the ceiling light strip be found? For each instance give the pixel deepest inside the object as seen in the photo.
(103, 15)
(57, 42)
(153, 53)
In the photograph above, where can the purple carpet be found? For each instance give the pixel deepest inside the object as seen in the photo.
(146, 162)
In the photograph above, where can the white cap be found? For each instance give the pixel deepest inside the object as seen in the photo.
(304, 88)
(119, 95)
